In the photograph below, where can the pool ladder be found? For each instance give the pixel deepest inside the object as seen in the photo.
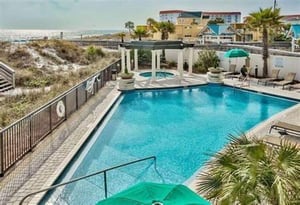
(104, 172)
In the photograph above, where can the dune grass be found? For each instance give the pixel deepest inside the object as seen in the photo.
(29, 76)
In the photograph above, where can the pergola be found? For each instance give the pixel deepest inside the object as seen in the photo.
(156, 48)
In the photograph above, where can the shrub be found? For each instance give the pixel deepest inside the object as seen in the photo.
(172, 64)
(206, 59)
(92, 53)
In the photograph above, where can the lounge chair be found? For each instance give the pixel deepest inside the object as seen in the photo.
(294, 86)
(274, 76)
(285, 127)
(288, 79)
(277, 141)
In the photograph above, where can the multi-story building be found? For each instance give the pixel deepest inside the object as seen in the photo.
(291, 19)
(228, 17)
(189, 17)
(169, 15)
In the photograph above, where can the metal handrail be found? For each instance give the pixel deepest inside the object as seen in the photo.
(58, 97)
(90, 175)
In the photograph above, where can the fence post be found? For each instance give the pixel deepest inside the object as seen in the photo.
(2, 155)
(105, 184)
(30, 132)
(66, 108)
(76, 98)
(50, 117)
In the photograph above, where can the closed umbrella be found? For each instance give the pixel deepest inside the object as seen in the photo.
(147, 193)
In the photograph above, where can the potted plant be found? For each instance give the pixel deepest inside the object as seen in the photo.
(215, 70)
(126, 74)
(127, 81)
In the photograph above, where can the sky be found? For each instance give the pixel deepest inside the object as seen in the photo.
(112, 14)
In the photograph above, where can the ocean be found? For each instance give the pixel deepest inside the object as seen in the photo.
(25, 35)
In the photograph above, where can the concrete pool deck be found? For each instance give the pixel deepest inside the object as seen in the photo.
(40, 168)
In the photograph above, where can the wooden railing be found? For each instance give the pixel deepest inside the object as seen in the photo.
(7, 73)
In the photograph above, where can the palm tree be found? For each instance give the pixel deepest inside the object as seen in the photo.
(265, 20)
(122, 35)
(140, 32)
(165, 28)
(250, 172)
(130, 26)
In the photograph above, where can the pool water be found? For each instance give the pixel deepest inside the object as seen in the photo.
(181, 127)
(159, 74)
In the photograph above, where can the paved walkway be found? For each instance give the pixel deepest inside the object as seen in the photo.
(40, 168)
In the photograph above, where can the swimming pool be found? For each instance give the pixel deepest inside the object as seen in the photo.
(181, 127)
(158, 74)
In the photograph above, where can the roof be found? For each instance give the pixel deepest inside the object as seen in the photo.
(156, 45)
(190, 14)
(295, 31)
(221, 13)
(170, 11)
(217, 29)
(291, 16)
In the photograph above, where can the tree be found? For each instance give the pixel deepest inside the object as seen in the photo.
(130, 26)
(250, 172)
(165, 28)
(122, 35)
(265, 20)
(140, 32)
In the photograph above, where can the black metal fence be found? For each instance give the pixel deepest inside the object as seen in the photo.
(19, 138)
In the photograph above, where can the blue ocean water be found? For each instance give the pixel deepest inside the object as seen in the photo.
(181, 127)
(24, 35)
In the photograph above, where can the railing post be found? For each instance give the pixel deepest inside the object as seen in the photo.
(105, 184)
(2, 155)
(50, 117)
(66, 108)
(76, 98)
(30, 132)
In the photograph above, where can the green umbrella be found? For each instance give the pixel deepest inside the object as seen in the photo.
(236, 53)
(147, 193)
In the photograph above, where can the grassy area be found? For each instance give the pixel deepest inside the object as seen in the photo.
(76, 65)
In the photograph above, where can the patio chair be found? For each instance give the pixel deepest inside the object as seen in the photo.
(274, 76)
(294, 86)
(277, 141)
(288, 79)
(285, 127)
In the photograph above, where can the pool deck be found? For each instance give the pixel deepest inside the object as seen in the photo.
(41, 168)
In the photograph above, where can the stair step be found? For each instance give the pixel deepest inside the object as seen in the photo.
(6, 88)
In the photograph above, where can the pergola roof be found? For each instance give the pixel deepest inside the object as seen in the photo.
(156, 45)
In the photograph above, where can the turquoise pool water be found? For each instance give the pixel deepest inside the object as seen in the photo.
(181, 127)
(159, 74)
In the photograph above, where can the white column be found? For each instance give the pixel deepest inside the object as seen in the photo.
(293, 44)
(122, 60)
(191, 54)
(153, 64)
(128, 59)
(136, 66)
(158, 59)
(180, 63)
